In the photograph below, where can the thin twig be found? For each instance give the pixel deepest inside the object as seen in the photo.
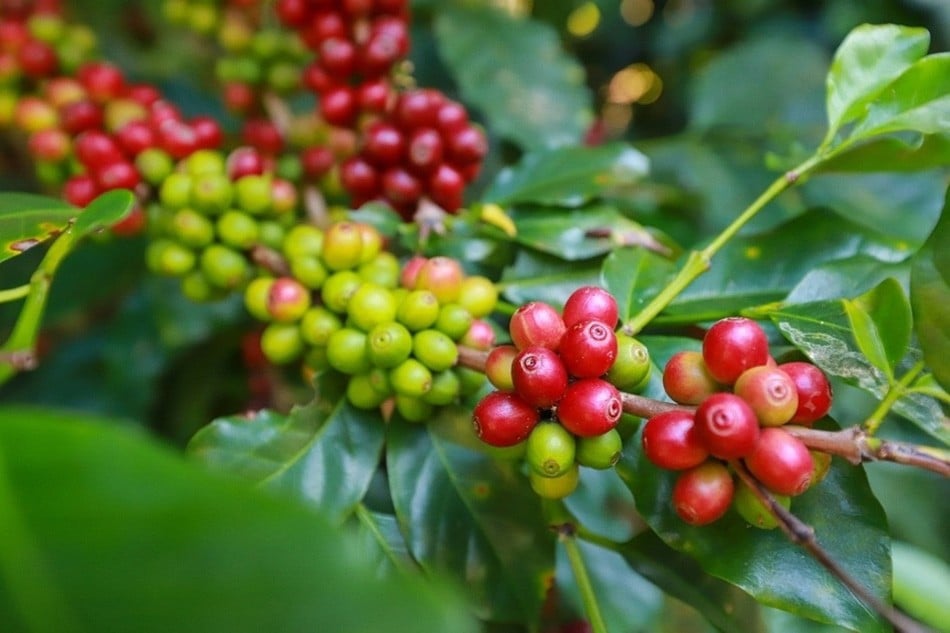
(802, 534)
(270, 259)
(644, 407)
(315, 205)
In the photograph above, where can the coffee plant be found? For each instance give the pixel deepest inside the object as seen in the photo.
(376, 315)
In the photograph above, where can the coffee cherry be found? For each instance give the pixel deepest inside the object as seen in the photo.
(384, 144)
(588, 348)
(471, 381)
(281, 343)
(238, 230)
(287, 300)
(686, 379)
(434, 349)
(424, 151)
(733, 345)
(411, 378)
(309, 270)
(253, 194)
(770, 392)
(256, 296)
(670, 440)
(478, 295)
(539, 376)
(346, 351)
(446, 387)
(590, 406)
(822, 463)
(303, 240)
(383, 269)
(503, 419)
(813, 390)
(753, 510)
(418, 310)
(480, 336)
(536, 324)
(317, 324)
(453, 320)
(555, 487)
(590, 302)
(388, 344)
(342, 246)
(442, 276)
(170, 258)
(550, 449)
(413, 409)
(362, 393)
(224, 268)
(727, 426)
(371, 305)
(338, 289)
(446, 186)
(703, 494)
(499, 365)
(632, 368)
(781, 462)
(600, 451)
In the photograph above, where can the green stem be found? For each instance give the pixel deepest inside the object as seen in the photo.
(588, 596)
(698, 262)
(897, 390)
(12, 294)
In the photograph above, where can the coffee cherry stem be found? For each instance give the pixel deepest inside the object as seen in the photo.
(315, 206)
(567, 535)
(803, 535)
(271, 260)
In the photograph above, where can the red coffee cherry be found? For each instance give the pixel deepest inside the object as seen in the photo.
(588, 348)
(814, 392)
(781, 462)
(590, 406)
(424, 151)
(733, 345)
(670, 441)
(446, 187)
(287, 299)
(503, 419)
(536, 324)
(384, 144)
(686, 379)
(770, 392)
(727, 426)
(703, 494)
(539, 376)
(590, 302)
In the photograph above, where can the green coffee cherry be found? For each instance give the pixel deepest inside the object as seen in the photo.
(453, 320)
(317, 324)
(478, 295)
(281, 343)
(224, 267)
(253, 194)
(632, 367)
(754, 511)
(371, 305)
(191, 228)
(600, 451)
(272, 234)
(388, 344)
(434, 349)
(418, 310)
(256, 297)
(196, 287)
(446, 388)
(238, 230)
(555, 487)
(175, 192)
(371, 240)
(346, 351)
(309, 270)
(204, 161)
(303, 240)
(550, 449)
(362, 393)
(342, 246)
(167, 257)
(338, 289)
(413, 409)
(382, 270)
(411, 378)
(155, 165)
(470, 380)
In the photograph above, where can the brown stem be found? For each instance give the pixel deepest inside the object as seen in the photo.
(270, 259)
(802, 534)
(316, 207)
(472, 358)
(648, 407)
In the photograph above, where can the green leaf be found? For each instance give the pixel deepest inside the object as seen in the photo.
(530, 91)
(921, 584)
(634, 276)
(846, 277)
(104, 211)
(470, 515)
(381, 542)
(535, 276)
(881, 323)
(27, 220)
(568, 177)
(891, 153)
(930, 296)
(868, 59)
(104, 529)
(848, 521)
(574, 234)
(324, 453)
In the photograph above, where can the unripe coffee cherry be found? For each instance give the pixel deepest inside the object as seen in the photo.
(342, 246)
(346, 351)
(338, 289)
(589, 407)
(478, 295)
(371, 305)
(753, 510)
(770, 392)
(281, 343)
(499, 365)
(317, 325)
(453, 320)
(434, 349)
(686, 379)
(388, 344)
(410, 271)
(600, 451)
(781, 462)
(632, 368)
(590, 302)
(480, 336)
(446, 387)
(670, 440)
(256, 297)
(539, 376)
(727, 426)
(362, 393)
(555, 487)
(588, 348)
(550, 449)
(442, 276)
(413, 409)
(732, 346)
(703, 494)
(503, 419)
(814, 392)
(822, 463)
(418, 310)
(536, 324)
(287, 300)
(411, 378)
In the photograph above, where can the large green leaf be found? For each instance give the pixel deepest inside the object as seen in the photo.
(324, 453)
(930, 299)
(568, 177)
(381, 542)
(515, 71)
(868, 59)
(848, 521)
(28, 219)
(922, 584)
(471, 515)
(823, 332)
(634, 276)
(846, 277)
(881, 323)
(891, 153)
(536, 276)
(105, 531)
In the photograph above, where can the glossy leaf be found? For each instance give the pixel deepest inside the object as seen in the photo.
(868, 59)
(604, 505)
(634, 276)
(847, 277)
(529, 90)
(29, 219)
(104, 529)
(470, 515)
(568, 177)
(848, 521)
(539, 277)
(574, 234)
(324, 453)
(881, 323)
(891, 153)
(381, 542)
(921, 584)
(105, 210)
(930, 296)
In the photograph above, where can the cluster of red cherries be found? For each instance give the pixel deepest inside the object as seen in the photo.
(744, 399)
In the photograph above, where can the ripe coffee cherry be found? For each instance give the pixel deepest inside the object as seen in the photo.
(446, 187)
(550, 449)
(468, 145)
(781, 462)
(589, 407)
(480, 336)
(754, 511)
(727, 426)
(424, 151)
(287, 300)
(539, 376)
(703, 494)
(338, 106)
(632, 368)
(555, 487)
(588, 348)
(384, 144)
(770, 392)
(442, 276)
(536, 324)
(601, 451)
(401, 188)
(814, 392)
(590, 302)
(503, 419)
(434, 349)
(733, 345)
(499, 366)
(686, 379)
(670, 440)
